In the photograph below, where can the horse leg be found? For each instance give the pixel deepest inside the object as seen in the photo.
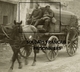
(34, 61)
(15, 56)
(26, 61)
(13, 60)
(19, 61)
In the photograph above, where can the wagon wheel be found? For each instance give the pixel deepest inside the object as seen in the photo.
(25, 51)
(52, 54)
(71, 45)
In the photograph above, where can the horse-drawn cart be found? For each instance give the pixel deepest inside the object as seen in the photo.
(22, 39)
(63, 33)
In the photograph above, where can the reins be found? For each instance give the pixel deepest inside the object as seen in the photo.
(5, 32)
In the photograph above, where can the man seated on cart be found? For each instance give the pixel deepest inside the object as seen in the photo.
(36, 14)
(46, 18)
(44, 15)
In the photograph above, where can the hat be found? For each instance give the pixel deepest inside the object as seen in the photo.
(38, 4)
(47, 5)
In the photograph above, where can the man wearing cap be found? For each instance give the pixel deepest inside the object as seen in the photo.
(46, 17)
(36, 14)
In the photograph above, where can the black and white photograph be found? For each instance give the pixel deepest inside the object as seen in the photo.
(39, 35)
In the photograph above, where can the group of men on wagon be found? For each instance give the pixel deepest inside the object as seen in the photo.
(42, 15)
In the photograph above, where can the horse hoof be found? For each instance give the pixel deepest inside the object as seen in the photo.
(33, 64)
(20, 67)
(26, 63)
(10, 70)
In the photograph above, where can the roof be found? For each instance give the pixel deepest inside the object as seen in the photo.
(10, 1)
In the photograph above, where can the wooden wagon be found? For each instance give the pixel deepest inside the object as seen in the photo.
(63, 32)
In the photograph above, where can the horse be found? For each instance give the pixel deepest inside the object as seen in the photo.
(12, 36)
(30, 33)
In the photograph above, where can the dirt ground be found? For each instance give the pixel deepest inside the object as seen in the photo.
(63, 62)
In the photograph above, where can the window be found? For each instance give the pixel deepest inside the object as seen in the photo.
(5, 20)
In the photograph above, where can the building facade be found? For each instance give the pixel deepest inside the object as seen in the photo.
(7, 12)
(18, 10)
(11, 10)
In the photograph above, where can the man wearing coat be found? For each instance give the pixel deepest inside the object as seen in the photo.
(36, 14)
(47, 15)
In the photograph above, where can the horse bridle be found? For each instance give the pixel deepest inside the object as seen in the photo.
(7, 35)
